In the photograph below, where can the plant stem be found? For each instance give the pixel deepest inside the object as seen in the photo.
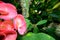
(25, 8)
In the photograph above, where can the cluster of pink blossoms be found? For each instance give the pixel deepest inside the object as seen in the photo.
(12, 22)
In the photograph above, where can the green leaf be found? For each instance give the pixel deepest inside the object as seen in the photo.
(35, 30)
(57, 5)
(41, 22)
(27, 22)
(38, 36)
(29, 25)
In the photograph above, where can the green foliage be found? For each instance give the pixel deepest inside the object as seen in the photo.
(57, 5)
(39, 36)
(29, 25)
(41, 22)
(35, 30)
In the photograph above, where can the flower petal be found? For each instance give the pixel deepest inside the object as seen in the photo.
(6, 8)
(11, 35)
(6, 25)
(20, 24)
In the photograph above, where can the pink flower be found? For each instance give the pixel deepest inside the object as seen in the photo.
(7, 11)
(7, 32)
(20, 24)
(8, 35)
(8, 27)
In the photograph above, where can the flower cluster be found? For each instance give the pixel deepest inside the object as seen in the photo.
(11, 22)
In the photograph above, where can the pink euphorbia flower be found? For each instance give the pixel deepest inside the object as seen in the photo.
(20, 24)
(7, 32)
(8, 35)
(7, 11)
(12, 22)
